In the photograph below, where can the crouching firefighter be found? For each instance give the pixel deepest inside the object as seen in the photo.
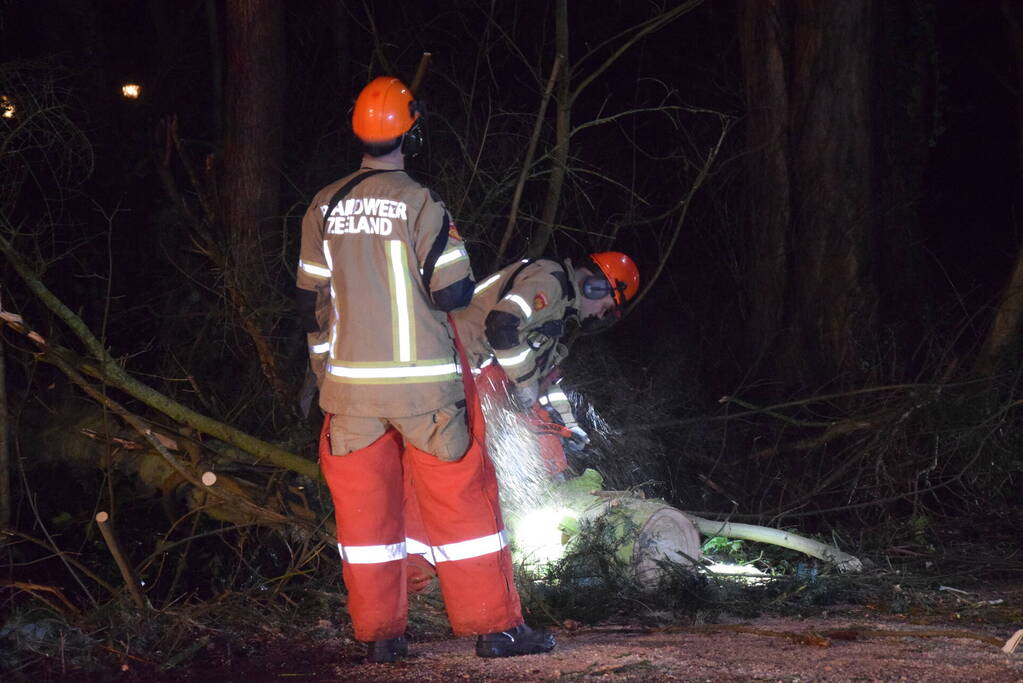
(515, 328)
(513, 332)
(380, 267)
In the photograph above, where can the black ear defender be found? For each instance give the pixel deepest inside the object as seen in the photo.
(414, 139)
(596, 287)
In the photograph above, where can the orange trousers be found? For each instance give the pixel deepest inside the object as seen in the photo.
(491, 382)
(461, 520)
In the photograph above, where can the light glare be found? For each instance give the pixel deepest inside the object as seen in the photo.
(538, 535)
(131, 90)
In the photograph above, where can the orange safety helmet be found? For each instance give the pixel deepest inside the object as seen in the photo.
(621, 273)
(384, 110)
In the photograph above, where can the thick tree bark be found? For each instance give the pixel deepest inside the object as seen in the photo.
(250, 185)
(810, 223)
(904, 115)
(1005, 327)
(254, 102)
(765, 239)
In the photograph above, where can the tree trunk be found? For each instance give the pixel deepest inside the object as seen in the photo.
(809, 228)
(765, 239)
(1005, 327)
(216, 65)
(904, 117)
(254, 103)
(250, 181)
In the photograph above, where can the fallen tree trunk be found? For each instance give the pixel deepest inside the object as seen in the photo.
(111, 372)
(650, 531)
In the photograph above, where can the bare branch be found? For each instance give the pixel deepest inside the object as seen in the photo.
(527, 162)
(114, 374)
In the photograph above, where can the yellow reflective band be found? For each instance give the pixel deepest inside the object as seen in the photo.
(372, 554)
(327, 257)
(393, 372)
(451, 256)
(486, 283)
(476, 547)
(511, 361)
(313, 269)
(319, 349)
(521, 303)
(402, 303)
(414, 547)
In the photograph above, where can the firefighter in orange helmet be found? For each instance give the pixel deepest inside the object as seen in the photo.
(381, 265)
(515, 327)
(513, 332)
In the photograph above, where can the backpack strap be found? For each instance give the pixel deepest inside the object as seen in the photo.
(436, 249)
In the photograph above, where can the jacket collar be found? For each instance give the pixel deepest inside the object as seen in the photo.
(371, 163)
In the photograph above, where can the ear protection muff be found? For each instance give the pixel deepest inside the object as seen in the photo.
(414, 139)
(596, 287)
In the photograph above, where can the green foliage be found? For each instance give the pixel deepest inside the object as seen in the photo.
(730, 548)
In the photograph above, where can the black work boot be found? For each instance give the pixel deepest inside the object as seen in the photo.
(521, 640)
(390, 650)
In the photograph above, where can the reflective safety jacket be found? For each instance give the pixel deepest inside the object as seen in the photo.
(519, 316)
(390, 262)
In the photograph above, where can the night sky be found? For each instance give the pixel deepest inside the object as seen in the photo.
(966, 239)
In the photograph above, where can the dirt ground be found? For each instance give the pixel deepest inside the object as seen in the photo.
(620, 655)
(851, 644)
(960, 639)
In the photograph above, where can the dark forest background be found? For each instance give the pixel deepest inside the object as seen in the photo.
(822, 199)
